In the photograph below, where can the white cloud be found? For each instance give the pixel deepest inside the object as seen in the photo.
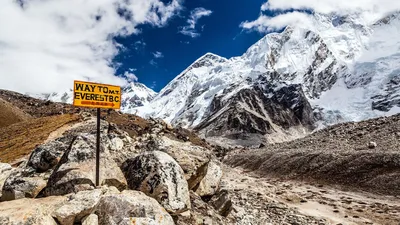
(381, 7)
(371, 10)
(153, 63)
(158, 55)
(267, 24)
(140, 45)
(195, 15)
(45, 45)
(131, 77)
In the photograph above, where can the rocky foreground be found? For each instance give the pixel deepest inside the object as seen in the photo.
(148, 180)
(152, 173)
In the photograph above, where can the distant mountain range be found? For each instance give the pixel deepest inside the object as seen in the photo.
(285, 85)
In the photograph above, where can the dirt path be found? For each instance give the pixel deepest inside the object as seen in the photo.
(272, 201)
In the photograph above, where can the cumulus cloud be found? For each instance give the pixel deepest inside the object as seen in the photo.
(131, 77)
(45, 45)
(195, 15)
(268, 24)
(371, 10)
(158, 55)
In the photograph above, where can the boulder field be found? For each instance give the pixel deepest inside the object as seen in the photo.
(149, 179)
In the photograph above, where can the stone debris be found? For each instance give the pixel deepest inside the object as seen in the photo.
(172, 181)
(92, 219)
(77, 207)
(130, 206)
(210, 183)
(158, 175)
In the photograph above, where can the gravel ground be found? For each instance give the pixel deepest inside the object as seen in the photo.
(360, 156)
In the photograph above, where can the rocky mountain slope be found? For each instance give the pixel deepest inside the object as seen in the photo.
(338, 69)
(362, 155)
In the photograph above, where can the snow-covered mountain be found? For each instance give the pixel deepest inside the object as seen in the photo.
(133, 95)
(136, 95)
(339, 69)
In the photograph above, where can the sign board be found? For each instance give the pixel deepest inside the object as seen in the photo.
(93, 95)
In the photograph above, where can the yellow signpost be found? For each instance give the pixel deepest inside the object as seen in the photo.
(94, 95)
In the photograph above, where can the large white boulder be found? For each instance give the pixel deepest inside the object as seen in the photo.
(92, 219)
(29, 211)
(76, 170)
(79, 206)
(210, 183)
(159, 176)
(5, 171)
(130, 206)
(20, 185)
(192, 159)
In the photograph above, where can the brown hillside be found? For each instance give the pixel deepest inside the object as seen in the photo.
(18, 140)
(10, 114)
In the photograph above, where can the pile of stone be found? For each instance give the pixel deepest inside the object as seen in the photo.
(147, 180)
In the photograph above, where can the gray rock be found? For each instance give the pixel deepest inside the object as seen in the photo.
(222, 203)
(5, 171)
(92, 219)
(197, 177)
(372, 145)
(47, 156)
(68, 163)
(75, 177)
(210, 183)
(200, 213)
(18, 186)
(76, 170)
(109, 190)
(192, 159)
(116, 144)
(128, 205)
(159, 176)
(80, 205)
(30, 211)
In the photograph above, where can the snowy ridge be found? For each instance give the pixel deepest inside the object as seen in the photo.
(339, 68)
(136, 95)
(347, 68)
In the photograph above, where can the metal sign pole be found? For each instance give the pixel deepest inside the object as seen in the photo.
(95, 95)
(98, 149)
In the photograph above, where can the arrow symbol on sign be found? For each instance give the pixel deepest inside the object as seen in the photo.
(98, 103)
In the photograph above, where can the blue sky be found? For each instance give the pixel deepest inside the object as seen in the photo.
(221, 35)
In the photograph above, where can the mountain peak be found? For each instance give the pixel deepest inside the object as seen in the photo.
(322, 59)
(208, 59)
(136, 86)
